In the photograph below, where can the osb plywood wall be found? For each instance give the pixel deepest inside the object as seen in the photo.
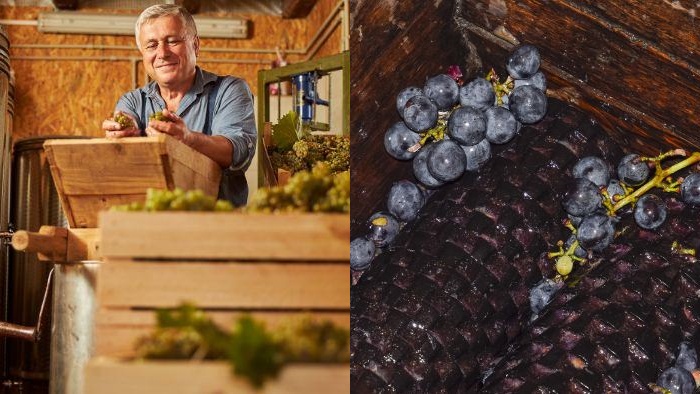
(62, 90)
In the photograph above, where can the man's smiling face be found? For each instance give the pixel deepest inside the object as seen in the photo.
(169, 54)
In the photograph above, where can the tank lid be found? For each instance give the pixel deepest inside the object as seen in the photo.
(34, 143)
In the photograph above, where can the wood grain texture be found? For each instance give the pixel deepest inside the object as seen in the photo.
(117, 330)
(393, 45)
(216, 235)
(259, 285)
(166, 377)
(297, 8)
(94, 174)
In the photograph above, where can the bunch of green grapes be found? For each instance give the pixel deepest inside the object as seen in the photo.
(305, 339)
(307, 191)
(310, 149)
(176, 200)
(159, 116)
(124, 121)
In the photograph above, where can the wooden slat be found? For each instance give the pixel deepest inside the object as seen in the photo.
(93, 174)
(117, 330)
(214, 235)
(224, 285)
(163, 377)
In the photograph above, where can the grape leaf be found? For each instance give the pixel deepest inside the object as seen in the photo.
(284, 133)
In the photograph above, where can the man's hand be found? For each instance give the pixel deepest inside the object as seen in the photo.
(114, 129)
(173, 126)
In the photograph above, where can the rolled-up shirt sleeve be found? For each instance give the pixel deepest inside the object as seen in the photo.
(234, 119)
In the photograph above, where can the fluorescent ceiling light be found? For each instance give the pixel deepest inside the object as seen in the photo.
(82, 23)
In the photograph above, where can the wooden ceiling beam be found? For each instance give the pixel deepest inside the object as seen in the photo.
(65, 4)
(297, 8)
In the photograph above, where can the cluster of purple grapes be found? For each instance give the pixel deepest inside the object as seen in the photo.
(594, 200)
(679, 378)
(447, 129)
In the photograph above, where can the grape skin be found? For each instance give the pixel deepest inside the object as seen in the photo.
(420, 113)
(690, 189)
(447, 161)
(677, 380)
(528, 104)
(687, 356)
(478, 94)
(383, 228)
(538, 80)
(501, 125)
(477, 155)
(405, 199)
(443, 90)
(582, 198)
(398, 139)
(523, 62)
(467, 125)
(403, 97)
(632, 171)
(541, 294)
(596, 232)
(361, 253)
(420, 168)
(594, 169)
(650, 212)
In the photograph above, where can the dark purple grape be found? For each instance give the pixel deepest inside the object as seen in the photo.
(478, 93)
(632, 171)
(542, 293)
(690, 189)
(538, 80)
(467, 125)
(420, 113)
(361, 253)
(677, 380)
(687, 356)
(575, 220)
(650, 212)
(383, 228)
(594, 169)
(579, 251)
(443, 90)
(582, 198)
(523, 62)
(615, 189)
(501, 125)
(405, 200)
(420, 168)
(477, 154)
(595, 232)
(447, 161)
(404, 95)
(528, 104)
(398, 139)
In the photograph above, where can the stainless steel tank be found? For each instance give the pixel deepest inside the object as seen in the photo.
(35, 202)
(6, 113)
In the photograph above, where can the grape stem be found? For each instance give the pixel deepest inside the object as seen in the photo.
(659, 177)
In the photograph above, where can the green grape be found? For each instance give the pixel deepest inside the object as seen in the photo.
(305, 339)
(301, 149)
(124, 121)
(159, 116)
(176, 200)
(307, 191)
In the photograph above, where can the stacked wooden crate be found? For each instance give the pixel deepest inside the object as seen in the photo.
(228, 264)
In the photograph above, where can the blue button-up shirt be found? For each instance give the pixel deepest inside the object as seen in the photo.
(232, 117)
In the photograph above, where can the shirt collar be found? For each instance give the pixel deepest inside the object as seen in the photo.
(201, 78)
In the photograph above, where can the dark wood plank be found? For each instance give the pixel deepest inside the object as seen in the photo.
(297, 8)
(393, 45)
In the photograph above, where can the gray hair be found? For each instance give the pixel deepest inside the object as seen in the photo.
(160, 10)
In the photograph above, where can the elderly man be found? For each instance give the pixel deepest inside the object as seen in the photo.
(212, 114)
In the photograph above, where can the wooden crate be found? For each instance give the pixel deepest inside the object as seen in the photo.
(166, 377)
(93, 174)
(272, 266)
